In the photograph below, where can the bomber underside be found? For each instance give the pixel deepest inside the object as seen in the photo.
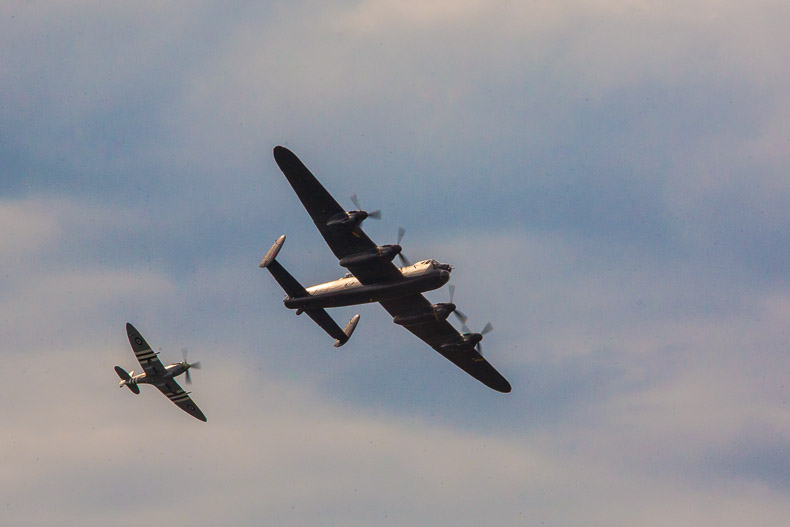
(365, 294)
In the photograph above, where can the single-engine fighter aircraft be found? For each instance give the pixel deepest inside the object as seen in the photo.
(160, 376)
(373, 277)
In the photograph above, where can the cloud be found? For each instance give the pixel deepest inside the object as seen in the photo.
(51, 293)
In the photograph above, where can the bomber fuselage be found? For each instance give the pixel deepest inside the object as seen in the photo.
(426, 275)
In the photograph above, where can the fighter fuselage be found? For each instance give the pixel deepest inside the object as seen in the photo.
(173, 370)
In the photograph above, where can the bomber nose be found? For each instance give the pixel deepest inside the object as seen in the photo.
(445, 276)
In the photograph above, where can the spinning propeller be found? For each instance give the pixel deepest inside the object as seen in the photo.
(461, 317)
(187, 365)
(376, 214)
(486, 329)
(475, 338)
(403, 259)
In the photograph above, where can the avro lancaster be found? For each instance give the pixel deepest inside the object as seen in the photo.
(372, 277)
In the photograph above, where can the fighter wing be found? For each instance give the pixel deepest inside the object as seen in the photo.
(439, 332)
(145, 355)
(339, 228)
(174, 392)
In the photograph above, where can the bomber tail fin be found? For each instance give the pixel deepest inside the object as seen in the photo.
(125, 380)
(291, 286)
(350, 327)
(272, 253)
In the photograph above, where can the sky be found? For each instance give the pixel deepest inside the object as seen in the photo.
(609, 179)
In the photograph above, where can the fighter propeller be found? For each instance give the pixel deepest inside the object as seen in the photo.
(187, 365)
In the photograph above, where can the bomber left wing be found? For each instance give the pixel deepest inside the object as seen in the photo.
(181, 399)
(444, 338)
(341, 230)
(145, 355)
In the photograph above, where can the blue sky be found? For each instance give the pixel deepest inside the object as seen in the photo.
(608, 178)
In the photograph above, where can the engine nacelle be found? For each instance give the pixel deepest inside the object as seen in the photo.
(350, 219)
(437, 312)
(468, 340)
(382, 253)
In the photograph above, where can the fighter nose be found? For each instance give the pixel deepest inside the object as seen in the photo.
(445, 276)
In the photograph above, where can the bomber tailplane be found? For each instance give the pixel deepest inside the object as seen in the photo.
(295, 290)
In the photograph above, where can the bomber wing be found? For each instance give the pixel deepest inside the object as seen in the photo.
(145, 355)
(339, 228)
(439, 332)
(181, 399)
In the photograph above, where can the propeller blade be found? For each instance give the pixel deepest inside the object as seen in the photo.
(376, 214)
(184, 354)
(195, 365)
(463, 318)
(405, 261)
(458, 313)
(487, 329)
(189, 377)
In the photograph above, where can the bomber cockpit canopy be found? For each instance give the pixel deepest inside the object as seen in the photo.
(433, 264)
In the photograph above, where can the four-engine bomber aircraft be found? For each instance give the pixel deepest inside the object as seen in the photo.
(157, 374)
(373, 277)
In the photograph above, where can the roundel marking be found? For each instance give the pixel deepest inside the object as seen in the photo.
(191, 407)
(138, 340)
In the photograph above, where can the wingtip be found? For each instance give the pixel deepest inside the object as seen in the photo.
(280, 151)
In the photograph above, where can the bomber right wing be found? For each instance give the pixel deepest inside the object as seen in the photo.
(340, 231)
(439, 332)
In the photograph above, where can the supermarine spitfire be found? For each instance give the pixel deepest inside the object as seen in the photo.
(373, 277)
(155, 373)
